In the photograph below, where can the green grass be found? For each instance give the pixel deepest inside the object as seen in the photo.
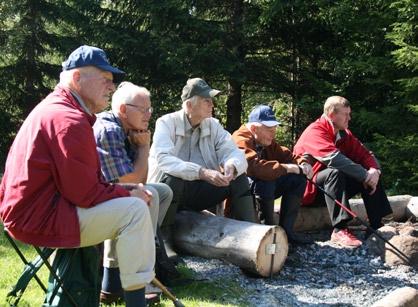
(197, 294)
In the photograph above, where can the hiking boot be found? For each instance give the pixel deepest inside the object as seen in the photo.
(345, 238)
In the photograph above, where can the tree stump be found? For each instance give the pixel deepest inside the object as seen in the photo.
(256, 248)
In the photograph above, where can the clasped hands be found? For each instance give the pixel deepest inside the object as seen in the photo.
(216, 177)
(370, 183)
(304, 168)
(138, 190)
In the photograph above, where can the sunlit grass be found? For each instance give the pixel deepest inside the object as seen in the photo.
(197, 294)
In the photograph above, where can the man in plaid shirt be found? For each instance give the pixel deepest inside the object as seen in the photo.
(123, 142)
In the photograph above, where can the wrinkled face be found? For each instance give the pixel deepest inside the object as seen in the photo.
(341, 117)
(96, 88)
(264, 135)
(138, 113)
(202, 109)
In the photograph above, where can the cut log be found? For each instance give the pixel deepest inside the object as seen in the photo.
(256, 248)
(317, 217)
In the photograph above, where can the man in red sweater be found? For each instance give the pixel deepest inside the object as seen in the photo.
(343, 166)
(52, 193)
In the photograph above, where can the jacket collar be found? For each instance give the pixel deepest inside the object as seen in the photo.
(66, 92)
(181, 120)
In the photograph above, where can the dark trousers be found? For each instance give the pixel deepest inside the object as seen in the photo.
(198, 195)
(342, 188)
(291, 184)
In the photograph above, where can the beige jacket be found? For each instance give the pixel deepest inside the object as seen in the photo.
(216, 145)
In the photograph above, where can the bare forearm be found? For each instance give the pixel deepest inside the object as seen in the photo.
(139, 175)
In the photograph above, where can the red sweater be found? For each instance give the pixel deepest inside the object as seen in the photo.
(318, 141)
(52, 167)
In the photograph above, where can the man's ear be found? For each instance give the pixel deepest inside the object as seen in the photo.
(331, 116)
(253, 128)
(76, 79)
(122, 110)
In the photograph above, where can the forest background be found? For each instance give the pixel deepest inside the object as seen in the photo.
(290, 54)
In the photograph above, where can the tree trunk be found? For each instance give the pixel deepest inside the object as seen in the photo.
(236, 48)
(233, 106)
(259, 249)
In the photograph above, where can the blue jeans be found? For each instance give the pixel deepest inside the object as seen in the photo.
(290, 184)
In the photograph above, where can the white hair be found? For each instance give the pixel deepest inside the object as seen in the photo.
(125, 93)
(193, 100)
(333, 103)
(66, 76)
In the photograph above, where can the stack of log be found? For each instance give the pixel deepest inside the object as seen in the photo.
(316, 217)
(262, 249)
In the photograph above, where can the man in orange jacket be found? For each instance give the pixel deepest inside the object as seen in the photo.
(273, 170)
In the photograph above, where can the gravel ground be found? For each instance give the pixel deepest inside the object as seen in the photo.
(320, 274)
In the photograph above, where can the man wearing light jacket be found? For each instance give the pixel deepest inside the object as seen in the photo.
(197, 158)
(273, 170)
(343, 166)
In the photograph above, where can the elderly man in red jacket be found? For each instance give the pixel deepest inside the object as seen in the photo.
(343, 166)
(52, 193)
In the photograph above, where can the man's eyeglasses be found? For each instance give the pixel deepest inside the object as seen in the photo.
(141, 109)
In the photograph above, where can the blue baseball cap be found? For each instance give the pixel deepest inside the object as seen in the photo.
(91, 56)
(264, 115)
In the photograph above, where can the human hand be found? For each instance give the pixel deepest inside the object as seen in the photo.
(307, 170)
(230, 172)
(370, 183)
(142, 192)
(139, 138)
(214, 177)
(291, 168)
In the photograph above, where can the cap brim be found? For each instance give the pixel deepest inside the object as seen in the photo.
(270, 123)
(210, 93)
(118, 74)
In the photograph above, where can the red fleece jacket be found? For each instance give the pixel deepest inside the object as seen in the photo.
(52, 167)
(318, 140)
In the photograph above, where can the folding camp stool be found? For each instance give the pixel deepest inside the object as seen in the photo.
(30, 270)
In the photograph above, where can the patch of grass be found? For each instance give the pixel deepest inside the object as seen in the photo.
(197, 294)
(10, 269)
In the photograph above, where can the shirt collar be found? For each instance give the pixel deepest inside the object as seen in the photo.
(81, 102)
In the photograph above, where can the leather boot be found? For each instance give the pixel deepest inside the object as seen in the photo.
(267, 210)
(288, 213)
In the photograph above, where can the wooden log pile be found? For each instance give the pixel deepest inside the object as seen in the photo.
(317, 217)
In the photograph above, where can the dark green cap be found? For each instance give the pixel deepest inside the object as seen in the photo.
(197, 87)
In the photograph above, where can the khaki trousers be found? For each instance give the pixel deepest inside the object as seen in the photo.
(127, 221)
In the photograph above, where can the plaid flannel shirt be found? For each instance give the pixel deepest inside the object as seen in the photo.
(115, 152)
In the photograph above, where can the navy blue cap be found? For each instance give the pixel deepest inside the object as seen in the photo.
(91, 56)
(264, 115)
